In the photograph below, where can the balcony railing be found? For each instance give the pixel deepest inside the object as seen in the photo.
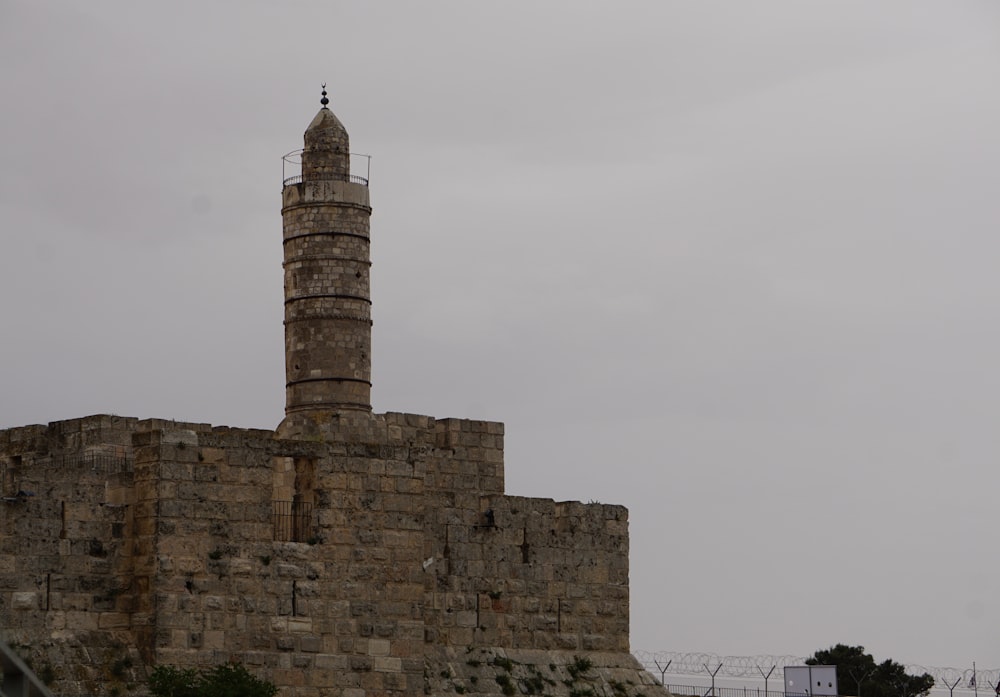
(291, 169)
(353, 178)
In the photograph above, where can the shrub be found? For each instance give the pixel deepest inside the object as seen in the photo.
(168, 681)
(226, 680)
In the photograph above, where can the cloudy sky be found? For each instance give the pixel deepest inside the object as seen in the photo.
(731, 264)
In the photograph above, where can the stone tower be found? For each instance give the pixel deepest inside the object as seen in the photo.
(325, 215)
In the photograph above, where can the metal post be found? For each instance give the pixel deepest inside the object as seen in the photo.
(951, 688)
(663, 670)
(860, 680)
(766, 677)
(368, 172)
(717, 669)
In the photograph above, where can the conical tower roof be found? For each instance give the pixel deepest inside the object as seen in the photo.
(325, 126)
(327, 148)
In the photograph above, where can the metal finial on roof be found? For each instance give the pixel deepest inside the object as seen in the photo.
(324, 101)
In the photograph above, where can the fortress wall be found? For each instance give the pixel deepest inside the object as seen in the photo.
(543, 575)
(65, 518)
(344, 607)
(203, 519)
(67, 594)
(158, 540)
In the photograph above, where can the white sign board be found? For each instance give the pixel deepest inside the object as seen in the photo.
(811, 680)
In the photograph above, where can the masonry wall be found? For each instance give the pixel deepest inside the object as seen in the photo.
(344, 564)
(66, 585)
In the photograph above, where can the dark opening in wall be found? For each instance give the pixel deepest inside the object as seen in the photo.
(293, 521)
(295, 497)
(9, 472)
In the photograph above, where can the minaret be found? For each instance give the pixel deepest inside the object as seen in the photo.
(325, 218)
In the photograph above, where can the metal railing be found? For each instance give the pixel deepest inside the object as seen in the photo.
(96, 461)
(293, 521)
(297, 179)
(708, 691)
(293, 162)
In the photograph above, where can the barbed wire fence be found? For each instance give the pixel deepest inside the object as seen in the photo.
(767, 668)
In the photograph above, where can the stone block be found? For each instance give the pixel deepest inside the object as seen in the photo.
(378, 647)
(387, 664)
(113, 620)
(24, 600)
(311, 644)
(300, 625)
(81, 621)
(289, 677)
(214, 640)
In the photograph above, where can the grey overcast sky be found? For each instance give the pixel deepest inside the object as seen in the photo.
(731, 264)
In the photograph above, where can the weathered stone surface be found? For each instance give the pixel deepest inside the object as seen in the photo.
(394, 558)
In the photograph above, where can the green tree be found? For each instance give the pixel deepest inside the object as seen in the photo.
(859, 674)
(226, 680)
(167, 681)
